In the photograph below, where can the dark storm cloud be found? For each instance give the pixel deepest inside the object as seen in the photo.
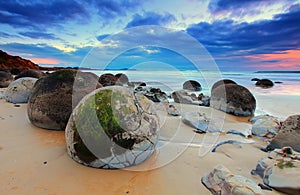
(266, 36)
(38, 14)
(151, 18)
(39, 35)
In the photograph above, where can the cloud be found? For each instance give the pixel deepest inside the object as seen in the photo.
(38, 14)
(151, 18)
(110, 9)
(222, 5)
(39, 35)
(101, 37)
(228, 37)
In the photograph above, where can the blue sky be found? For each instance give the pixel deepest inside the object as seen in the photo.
(238, 34)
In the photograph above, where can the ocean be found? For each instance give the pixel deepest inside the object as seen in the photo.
(170, 81)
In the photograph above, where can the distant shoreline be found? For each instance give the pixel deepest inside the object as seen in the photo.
(278, 71)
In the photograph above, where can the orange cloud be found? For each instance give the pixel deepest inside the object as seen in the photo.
(45, 61)
(289, 59)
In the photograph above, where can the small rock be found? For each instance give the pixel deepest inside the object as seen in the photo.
(19, 90)
(172, 110)
(107, 79)
(265, 126)
(122, 79)
(221, 181)
(264, 83)
(200, 122)
(5, 79)
(30, 73)
(255, 79)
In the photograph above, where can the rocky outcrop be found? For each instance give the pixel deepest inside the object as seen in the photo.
(121, 129)
(5, 79)
(265, 126)
(153, 94)
(53, 96)
(192, 85)
(221, 181)
(288, 135)
(264, 83)
(233, 99)
(19, 90)
(30, 73)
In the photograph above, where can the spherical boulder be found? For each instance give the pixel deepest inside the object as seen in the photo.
(222, 82)
(30, 73)
(19, 90)
(122, 79)
(288, 135)
(192, 85)
(53, 96)
(112, 127)
(233, 99)
(107, 79)
(265, 83)
(5, 79)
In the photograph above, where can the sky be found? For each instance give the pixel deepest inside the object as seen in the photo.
(234, 34)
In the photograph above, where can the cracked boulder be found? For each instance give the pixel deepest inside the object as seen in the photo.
(111, 128)
(19, 90)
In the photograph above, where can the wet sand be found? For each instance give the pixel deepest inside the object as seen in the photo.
(35, 161)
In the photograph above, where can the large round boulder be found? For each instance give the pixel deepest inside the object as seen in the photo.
(19, 90)
(288, 135)
(222, 82)
(5, 79)
(30, 73)
(233, 99)
(112, 127)
(264, 83)
(50, 103)
(192, 85)
(107, 79)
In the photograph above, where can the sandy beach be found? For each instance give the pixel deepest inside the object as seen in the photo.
(35, 161)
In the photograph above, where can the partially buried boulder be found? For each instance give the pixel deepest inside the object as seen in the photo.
(112, 127)
(264, 83)
(50, 103)
(19, 90)
(107, 79)
(221, 181)
(30, 73)
(233, 99)
(289, 134)
(5, 79)
(192, 85)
